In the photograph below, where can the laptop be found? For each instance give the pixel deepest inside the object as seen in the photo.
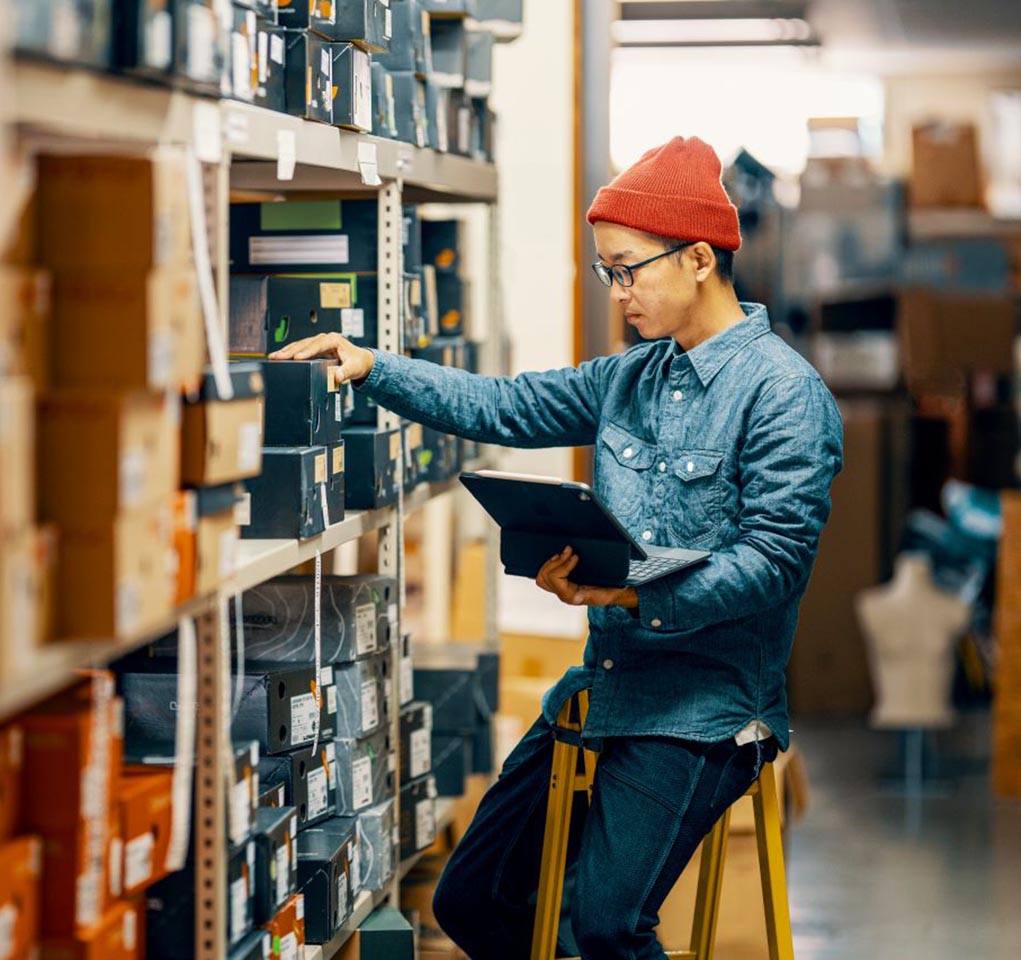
(539, 516)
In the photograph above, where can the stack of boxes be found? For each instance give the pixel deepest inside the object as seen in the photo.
(115, 234)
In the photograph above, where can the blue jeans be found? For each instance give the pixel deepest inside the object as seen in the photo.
(653, 800)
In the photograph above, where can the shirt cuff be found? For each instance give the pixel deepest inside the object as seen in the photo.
(375, 374)
(656, 605)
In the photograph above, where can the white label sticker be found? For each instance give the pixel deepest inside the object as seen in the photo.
(161, 358)
(361, 782)
(243, 511)
(338, 406)
(206, 132)
(289, 947)
(129, 932)
(365, 629)
(392, 614)
(228, 553)
(115, 867)
(88, 894)
(238, 908)
(388, 25)
(325, 65)
(352, 322)
(425, 823)
(129, 605)
(370, 706)
(325, 504)
(318, 793)
(138, 860)
(331, 700)
(159, 46)
(240, 810)
(303, 718)
(391, 761)
(299, 907)
(283, 859)
(276, 49)
(287, 158)
(249, 446)
(407, 680)
(263, 56)
(132, 477)
(241, 77)
(341, 895)
(326, 675)
(421, 752)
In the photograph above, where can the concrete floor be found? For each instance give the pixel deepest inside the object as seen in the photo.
(875, 875)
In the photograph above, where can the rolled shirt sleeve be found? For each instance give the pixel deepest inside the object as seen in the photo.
(792, 452)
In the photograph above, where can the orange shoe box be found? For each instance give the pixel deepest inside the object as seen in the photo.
(20, 865)
(145, 813)
(117, 936)
(287, 929)
(11, 755)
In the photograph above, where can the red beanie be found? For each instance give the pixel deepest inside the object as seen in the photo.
(673, 191)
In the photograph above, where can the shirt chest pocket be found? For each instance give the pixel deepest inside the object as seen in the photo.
(695, 508)
(623, 469)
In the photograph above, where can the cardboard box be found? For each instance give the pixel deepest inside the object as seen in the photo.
(25, 307)
(144, 806)
(450, 300)
(77, 33)
(452, 762)
(271, 90)
(184, 524)
(201, 47)
(308, 781)
(116, 580)
(944, 335)
(416, 456)
(356, 616)
(365, 772)
(379, 839)
(503, 18)
(243, 51)
(286, 499)
(478, 77)
(221, 440)
(367, 23)
(386, 935)
(304, 403)
(104, 453)
(119, 935)
(945, 166)
(374, 467)
(20, 869)
(128, 330)
(257, 945)
(418, 815)
(352, 87)
(216, 536)
(308, 76)
(107, 211)
(287, 930)
(457, 9)
(384, 118)
(325, 856)
(409, 108)
(303, 237)
(17, 455)
(276, 864)
(416, 740)
(28, 575)
(363, 701)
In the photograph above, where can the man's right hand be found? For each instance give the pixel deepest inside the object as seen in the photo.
(355, 362)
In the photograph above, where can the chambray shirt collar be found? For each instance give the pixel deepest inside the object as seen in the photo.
(710, 357)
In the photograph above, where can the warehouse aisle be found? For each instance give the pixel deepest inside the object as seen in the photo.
(870, 877)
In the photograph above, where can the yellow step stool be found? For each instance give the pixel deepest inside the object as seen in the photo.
(566, 779)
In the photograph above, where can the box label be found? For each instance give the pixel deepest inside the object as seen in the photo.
(331, 249)
(132, 477)
(334, 296)
(129, 605)
(320, 468)
(331, 700)
(240, 809)
(138, 860)
(425, 823)
(88, 891)
(356, 866)
(303, 718)
(361, 782)
(262, 56)
(341, 895)
(338, 452)
(338, 408)
(407, 680)
(318, 792)
(238, 909)
(299, 907)
(129, 932)
(395, 446)
(161, 358)
(289, 947)
(370, 706)
(228, 553)
(365, 629)
(249, 446)
(243, 511)
(352, 322)
(421, 752)
(283, 861)
(276, 49)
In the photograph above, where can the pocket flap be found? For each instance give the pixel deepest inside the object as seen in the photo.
(628, 449)
(695, 464)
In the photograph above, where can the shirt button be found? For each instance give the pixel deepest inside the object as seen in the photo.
(678, 395)
(628, 452)
(690, 467)
(646, 535)
(657, 622)
(662, 467)
(607, 664)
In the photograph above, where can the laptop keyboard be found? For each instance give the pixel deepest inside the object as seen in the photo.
(640, 571)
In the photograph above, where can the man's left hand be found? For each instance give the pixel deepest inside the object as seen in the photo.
(553, 577)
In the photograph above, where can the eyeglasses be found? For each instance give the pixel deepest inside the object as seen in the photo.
(623, 273)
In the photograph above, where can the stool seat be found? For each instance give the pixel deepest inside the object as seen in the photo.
(570, 773)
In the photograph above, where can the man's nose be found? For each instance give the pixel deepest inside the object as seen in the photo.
(621, 295)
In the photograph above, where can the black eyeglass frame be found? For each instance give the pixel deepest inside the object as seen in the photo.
(626, 276)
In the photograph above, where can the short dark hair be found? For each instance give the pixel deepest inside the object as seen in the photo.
(724, 258)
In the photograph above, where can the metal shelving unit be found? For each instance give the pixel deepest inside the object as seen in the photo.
(244, 148)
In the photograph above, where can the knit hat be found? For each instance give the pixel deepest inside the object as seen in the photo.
(673, 191)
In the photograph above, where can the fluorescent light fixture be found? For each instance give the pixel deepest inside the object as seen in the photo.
(709, 32)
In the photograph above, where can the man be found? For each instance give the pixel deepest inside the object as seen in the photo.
(714, 434)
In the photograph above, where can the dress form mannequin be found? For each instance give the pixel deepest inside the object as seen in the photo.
(911, 627)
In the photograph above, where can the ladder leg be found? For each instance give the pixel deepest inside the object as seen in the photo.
(710, 885)
(554, 849)
(771, 867)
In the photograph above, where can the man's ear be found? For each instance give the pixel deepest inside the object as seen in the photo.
(705, 260)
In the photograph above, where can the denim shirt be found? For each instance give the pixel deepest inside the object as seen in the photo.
(729, 447)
